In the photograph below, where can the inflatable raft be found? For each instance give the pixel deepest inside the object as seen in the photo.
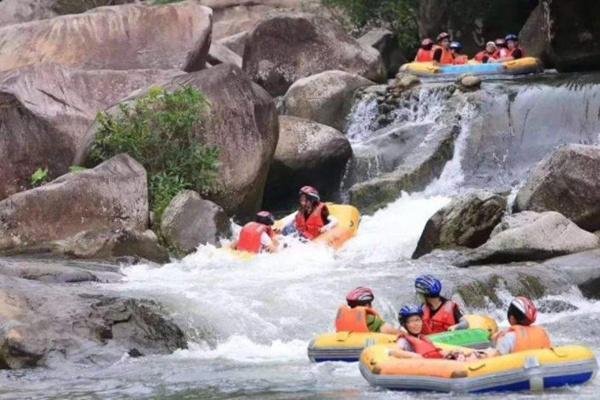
(348, 220)
(347, 346)
(533, 370)
(526, 65)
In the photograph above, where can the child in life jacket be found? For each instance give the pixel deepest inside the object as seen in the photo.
(441, 52)
(257, 236)
(360, 316)
(487, 54)
(439, 314)
(521, 335)
(513, 50)
(425, 52)
(312, 217)
(459, 58)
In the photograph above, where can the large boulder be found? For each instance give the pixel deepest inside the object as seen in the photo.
(45, 111)
(235, 43)
(325, 98)
(568, 181)
(242, 125)
(220, 54)
(119, 37)
(564, 34)
(467, 221)
(190, 221)
(114, 195)
(388, 46)
(308, 153)
(289, 46)
(531, 236)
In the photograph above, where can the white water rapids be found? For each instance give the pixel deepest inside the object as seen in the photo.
(249, 323)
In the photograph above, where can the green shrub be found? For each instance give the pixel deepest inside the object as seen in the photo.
(160, 130)
(77, 168)
(39, 177)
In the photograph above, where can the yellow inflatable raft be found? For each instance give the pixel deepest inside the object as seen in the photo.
(528, 370)
(524, 65)
(347, 346)
(348, 221)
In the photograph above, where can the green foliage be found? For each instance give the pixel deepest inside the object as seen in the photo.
(400, 16)
(77, 168)
(161, 130)
(39, 177)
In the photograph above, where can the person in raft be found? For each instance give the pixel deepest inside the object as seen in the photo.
(501, 49)
(441, 52)
(312, 217)
(456, 50)
(488, 54)
(258, 236)
(521, 335)
(439, 314)
(360, 316)
(425, 52)
(513, 50)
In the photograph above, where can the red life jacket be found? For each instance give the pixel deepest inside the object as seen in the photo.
(441, 321)
(353, 319)
(501, 53)
(423, 346)
(480, 57)
(528, 337)
(447, 57)
(510, 52)
(424, 55)
(250, 237)
(460, 60)
(310, 227)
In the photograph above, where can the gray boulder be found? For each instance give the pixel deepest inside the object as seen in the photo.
(388, 46)
(220, 54)
(568, 181)
(235, 43)
(289, 46)
(46, 110)
(190, 221)
(113, 38)
(467, 221)
(307, 153)
(326, 98)
(114, 195)
(531, 236)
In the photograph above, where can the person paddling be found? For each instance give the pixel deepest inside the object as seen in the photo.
(360, 316)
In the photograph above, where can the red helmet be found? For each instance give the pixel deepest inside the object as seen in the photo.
(426, 42)
(523, 310)
(310, 192)
(443, 36)
(361, 296)
(264, 217)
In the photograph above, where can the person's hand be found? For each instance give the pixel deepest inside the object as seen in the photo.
(323, 229)
(453, 328)
(417, 355)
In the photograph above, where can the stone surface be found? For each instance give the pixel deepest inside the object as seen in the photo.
(190, 221)
(326, 98)
(114, 195)
(470, 82)
(467, 221)
(307, 153)
(568, 181)
(388, 46)
(289, 46)
(235, 43)
(531, 236)
(220, 54)
(113, 38)
(45, 110)
(243, 125)
(564, 34)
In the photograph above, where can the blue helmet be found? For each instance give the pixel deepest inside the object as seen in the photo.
(408, 311)
(456, 46)
(511, 36)
(428, 285)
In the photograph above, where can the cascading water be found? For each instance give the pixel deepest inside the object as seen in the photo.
(249, 322)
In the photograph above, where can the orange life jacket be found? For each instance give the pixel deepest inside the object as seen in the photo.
(423, 346)
(480, 57)
(460, 60)
(501, 53)
(441, 321)
(424, 55)
(529, 337)
(447, 57)
(250, 237)
(310, 227)
(510, 52)
(353, 319)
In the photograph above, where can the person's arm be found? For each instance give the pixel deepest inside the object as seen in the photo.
(271, 245)
(233, 245)
(329, 220)
(389, 329)
(403, 350)
(437, 55)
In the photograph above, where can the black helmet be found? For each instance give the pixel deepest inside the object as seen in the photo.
(265, 217)
(511, 37)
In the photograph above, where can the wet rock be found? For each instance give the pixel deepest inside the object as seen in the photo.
(467, 221)
(113, 38)
(219, 54)
(113, 195)
(567, 182)
(235, 43)
(415, 172)
(243, 125)
(45, 110)
(307, 153)
(289, 46)
(555, 306)
(469, 82)
(531, 236)
(57, 270)
(326, 98)
(190, 221)
(404, 82)
(388, 46)
(564, 35)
